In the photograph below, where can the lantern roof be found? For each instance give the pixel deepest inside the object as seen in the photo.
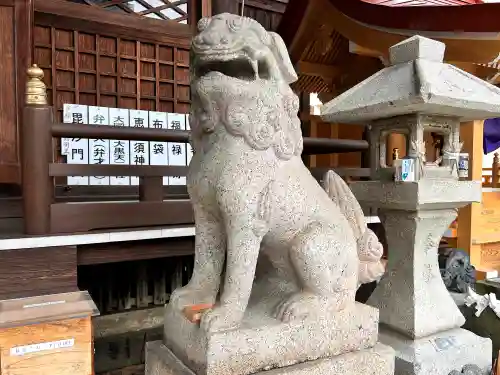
(417, 81)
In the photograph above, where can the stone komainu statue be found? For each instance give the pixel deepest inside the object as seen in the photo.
(258, 210)
(458, 273)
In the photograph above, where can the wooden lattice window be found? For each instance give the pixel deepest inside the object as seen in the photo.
(175, 10)
(93, 69)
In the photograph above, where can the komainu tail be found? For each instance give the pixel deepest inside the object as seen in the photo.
(370, 250)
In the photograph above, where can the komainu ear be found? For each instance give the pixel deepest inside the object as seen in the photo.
(281, 56)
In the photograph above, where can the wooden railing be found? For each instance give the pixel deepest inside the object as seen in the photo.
(491, 176)
(43, 214)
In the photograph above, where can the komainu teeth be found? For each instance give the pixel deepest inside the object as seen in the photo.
(255, 66)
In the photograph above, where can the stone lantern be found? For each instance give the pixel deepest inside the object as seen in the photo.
(415, 94)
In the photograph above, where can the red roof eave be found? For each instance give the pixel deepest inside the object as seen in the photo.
(468, 18)
(407, 3)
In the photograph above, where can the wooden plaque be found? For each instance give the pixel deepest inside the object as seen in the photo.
(47, 335)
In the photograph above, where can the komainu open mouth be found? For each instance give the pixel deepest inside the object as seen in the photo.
(242, 68)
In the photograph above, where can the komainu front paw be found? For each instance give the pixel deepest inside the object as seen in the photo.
(301, 306)
(220, 318)
(188, 296)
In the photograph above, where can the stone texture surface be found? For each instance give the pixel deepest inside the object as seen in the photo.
(161, 361)
(412, 196)
(438, 354)
(378, 360)
(262, 342)
(416, 47)
(411, 296)
(416, 82)
(258, 210)
(370, 250)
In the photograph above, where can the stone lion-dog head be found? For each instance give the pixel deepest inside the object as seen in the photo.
(235, 57)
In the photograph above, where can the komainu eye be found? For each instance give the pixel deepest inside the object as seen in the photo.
(235, 24)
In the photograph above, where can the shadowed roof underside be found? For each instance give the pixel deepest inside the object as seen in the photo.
(317, 33)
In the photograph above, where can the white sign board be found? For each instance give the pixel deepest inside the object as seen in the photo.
(76, 149)
(41, 347)
(99, 148)
(119, 152)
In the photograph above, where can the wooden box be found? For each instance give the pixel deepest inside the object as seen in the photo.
(47, 335)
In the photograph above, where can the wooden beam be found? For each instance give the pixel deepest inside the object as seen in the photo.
(71, 218)
(110, 3)
(66, 15)
(134, 251)
(480, 71)
(328, 72)
(334, 133)
(272, 6)
(363, 51)
(169, 5)
(49, 270)
(148, 6)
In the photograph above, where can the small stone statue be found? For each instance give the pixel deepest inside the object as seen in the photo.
(395, 153)
(258, 210)
(481, 302)
(458, 273)
(468, 370)
(438, 144)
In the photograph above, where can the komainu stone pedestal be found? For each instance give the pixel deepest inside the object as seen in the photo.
(377, 360)
(331, 345)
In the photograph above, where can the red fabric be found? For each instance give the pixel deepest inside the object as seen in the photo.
(408, 3)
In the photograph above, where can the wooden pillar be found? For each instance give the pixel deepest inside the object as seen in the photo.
(334, 134)
(495, 168)
(471, 133)
(225, 6)
(308, 127)
(16, 41)
(312, 160)
(36, 146)
(198, 9)
(350, 131)
(365, 155)
(151, 189)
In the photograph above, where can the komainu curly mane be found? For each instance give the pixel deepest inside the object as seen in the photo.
(254, 79)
